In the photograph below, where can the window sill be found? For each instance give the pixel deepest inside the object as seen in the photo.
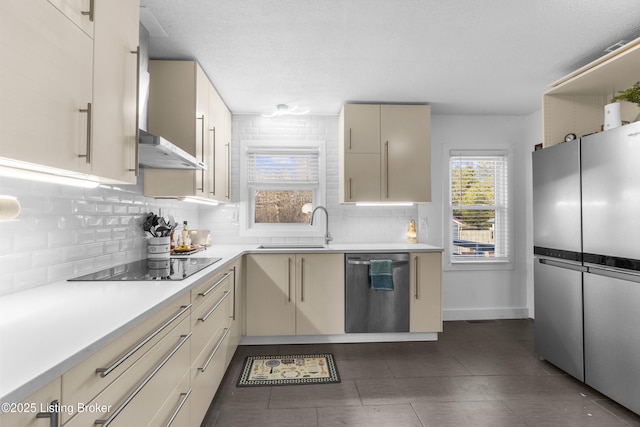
(485, 265)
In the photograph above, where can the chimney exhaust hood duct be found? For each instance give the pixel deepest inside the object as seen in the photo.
(155, 152)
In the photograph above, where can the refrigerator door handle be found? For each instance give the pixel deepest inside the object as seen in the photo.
(615, 273)
(562, 264)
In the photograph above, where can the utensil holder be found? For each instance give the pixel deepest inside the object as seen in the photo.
(159, 247)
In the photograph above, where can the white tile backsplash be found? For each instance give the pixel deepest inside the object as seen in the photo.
(64, 232)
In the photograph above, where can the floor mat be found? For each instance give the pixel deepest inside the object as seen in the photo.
(288, 370)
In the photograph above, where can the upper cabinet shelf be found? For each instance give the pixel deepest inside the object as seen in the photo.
(575, 103)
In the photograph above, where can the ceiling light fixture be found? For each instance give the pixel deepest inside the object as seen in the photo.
(284, 110)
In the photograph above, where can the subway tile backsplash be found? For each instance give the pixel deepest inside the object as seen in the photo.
(63, 232)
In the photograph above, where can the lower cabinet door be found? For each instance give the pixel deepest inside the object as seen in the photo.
(176, 410)
(136, 396)
(32, 411)
(207, 371)
(426, 292)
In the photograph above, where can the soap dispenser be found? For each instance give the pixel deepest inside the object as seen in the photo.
(412, 235)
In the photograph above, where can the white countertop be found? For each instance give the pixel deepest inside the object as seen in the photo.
(46, 331)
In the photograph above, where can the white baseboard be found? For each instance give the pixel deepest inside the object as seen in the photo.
(485, 314)
(344, 338)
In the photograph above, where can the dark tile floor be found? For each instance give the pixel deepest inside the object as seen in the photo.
(476, 374)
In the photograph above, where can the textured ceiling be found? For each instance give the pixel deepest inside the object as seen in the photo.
(460, 56)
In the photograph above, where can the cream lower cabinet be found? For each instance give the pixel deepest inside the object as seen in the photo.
(213, 342)
(136, 396)
(38, 410)
(294, 294)
(112, 374)
(426, 292)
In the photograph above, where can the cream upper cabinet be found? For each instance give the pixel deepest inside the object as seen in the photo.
(46, 86)
(115, 88)
(406, 156)
(183, 108)
(295, 294)
(69, 86)
(220, 145)
(385, 153)
(361, 131)
(425, 307)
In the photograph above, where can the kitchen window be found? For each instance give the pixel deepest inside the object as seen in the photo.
(279, 180)
(479, 210)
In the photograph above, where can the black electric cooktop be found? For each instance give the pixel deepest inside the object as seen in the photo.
(151, 269)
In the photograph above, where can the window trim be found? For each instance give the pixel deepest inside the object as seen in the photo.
(453, 263)
(248, 228)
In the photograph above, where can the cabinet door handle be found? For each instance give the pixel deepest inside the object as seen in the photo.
(90, 12)
(213, 160)
(106, 371)
(349, 138)
(52, 415)
(88, 111)
(234, 293)
(185, 396)
(228, 154)
(210, 312)
(136, 166)
(301, 279)
(215, 350)
(144, 382)
(417, 277)
(215, 285)
(201, 150)
(386, 147)
(349, 188)
(289, 278)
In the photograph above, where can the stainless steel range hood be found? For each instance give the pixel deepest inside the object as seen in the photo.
(155, 152)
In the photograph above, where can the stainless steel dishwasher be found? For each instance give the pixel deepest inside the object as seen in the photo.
(369, 310)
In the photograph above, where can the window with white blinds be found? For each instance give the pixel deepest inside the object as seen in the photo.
(280, 181)
(291, 167)
(479, 207)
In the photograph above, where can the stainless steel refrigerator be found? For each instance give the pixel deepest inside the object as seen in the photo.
(558, 269)
(611, 247)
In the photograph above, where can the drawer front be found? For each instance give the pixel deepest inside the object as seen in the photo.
(82, 383)
(207, 371)
(136, 396)
(176, 410)
(203, 292)
(210, 316)
(24, 414)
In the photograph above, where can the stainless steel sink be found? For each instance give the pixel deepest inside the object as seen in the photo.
(291, 246)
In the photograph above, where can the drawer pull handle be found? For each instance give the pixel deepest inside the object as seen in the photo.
(90, 12)
(53, 415)
(206, 316)
(215, 285)
(215, 350)
(185, 396)
(144, 382)
(106, 371)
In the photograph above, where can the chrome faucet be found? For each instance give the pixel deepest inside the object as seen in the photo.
(327, 236)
